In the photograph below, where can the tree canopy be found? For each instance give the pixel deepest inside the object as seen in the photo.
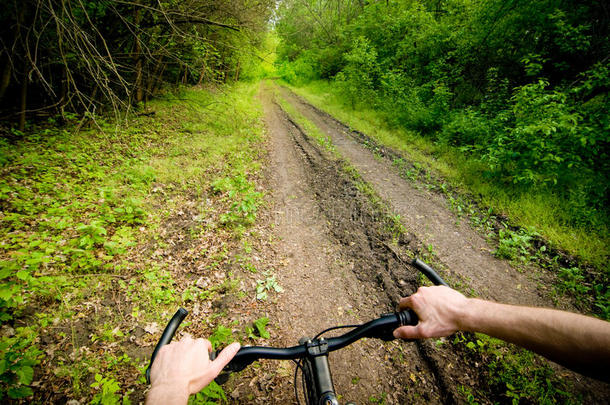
(79, 55)
(521, 86)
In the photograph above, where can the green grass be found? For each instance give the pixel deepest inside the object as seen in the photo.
(543, 211)
(512, 374)
(91, 234)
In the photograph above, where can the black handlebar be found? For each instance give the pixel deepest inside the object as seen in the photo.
(380, 328)
(167, 336)
(429, 272)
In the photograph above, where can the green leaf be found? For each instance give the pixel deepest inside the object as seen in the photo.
(20, 392)
(25, 374)
(260, 325)
(23, 275)
(6, 292)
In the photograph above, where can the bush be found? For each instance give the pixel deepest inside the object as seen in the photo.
(467, 128)
(545, 144)
(358, 79)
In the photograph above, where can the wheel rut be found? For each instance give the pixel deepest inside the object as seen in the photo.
(464, 252)
(336, 269)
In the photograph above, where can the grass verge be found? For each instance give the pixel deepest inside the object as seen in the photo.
(105, 232)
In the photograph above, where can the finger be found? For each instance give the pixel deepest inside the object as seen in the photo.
(224, 357)
(405, 303)
(408, 332)
(206, 343)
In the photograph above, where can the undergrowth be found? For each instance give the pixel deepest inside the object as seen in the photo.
(100, 229)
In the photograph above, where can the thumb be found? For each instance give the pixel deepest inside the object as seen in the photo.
(407, 332)
(224, 357)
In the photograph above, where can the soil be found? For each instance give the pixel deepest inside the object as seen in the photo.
(337, 264)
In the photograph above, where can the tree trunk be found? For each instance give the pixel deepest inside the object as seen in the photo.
(159, 80)
(152, 78)
(202, 75)
(138, 57)
(6, 78)
(24, 94)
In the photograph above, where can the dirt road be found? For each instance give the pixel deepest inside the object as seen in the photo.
(335, 267)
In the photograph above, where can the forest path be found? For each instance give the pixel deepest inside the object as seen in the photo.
(325, 283)
(465, 253)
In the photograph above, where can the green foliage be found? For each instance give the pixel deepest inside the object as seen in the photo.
(263, 287)
(212, 394)
(517, 374)
(360, 75)
(18, 356)
(574, 282)
(245, 201)
(221, 337)
(108, 392)
(260, 325)
(546, 144)
(514, 245)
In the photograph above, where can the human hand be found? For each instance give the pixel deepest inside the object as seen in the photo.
(440, 310)
(184, 368)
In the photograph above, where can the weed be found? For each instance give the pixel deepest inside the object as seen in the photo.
(266, 285)
(210, 395)
(244, 200)
(260, 325)
(108, 392)
(467, 394)
(516, 373)
(18, 356)
(514, 245)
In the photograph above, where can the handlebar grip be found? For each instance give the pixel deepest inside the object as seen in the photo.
(407, 318)
(166, 337)
(429, 272)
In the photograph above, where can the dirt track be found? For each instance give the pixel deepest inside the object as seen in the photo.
(336, 268)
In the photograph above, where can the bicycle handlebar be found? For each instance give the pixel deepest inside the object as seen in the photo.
(167, 336)
(380, 328)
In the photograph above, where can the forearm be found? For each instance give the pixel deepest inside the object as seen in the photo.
(576, 341)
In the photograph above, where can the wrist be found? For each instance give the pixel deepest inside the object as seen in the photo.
(166, 393)
(467, 314)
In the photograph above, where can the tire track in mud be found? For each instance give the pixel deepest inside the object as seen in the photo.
(335, 270)
(345, 232)
(465, 253)
(363, 236)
